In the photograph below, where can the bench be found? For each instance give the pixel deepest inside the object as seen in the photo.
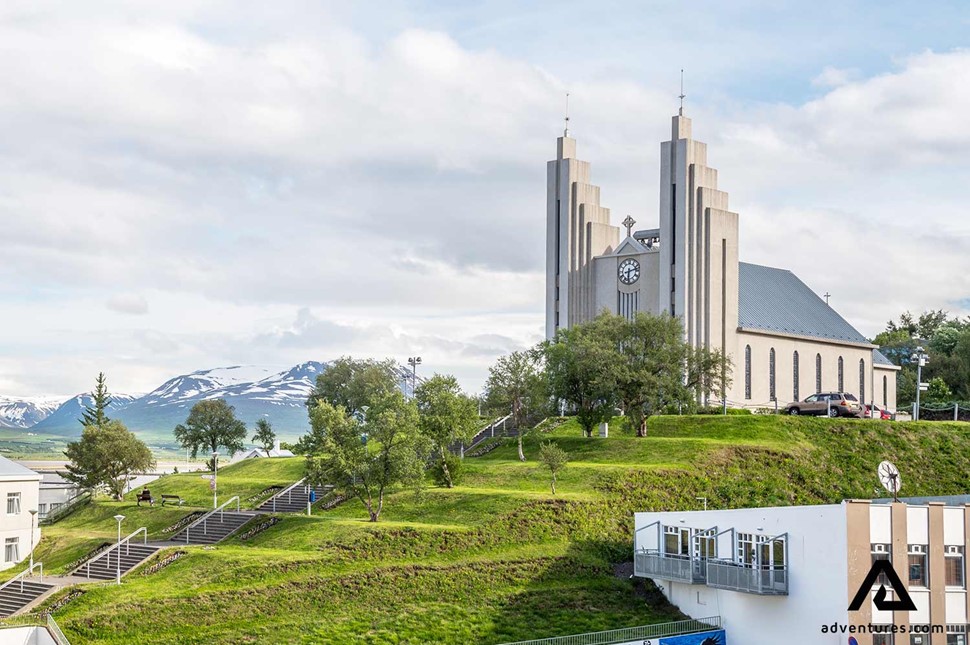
(142, 497)
(172, 499)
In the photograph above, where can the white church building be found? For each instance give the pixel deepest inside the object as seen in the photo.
(784, 341)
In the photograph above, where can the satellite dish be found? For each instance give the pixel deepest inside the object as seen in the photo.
(889, 476)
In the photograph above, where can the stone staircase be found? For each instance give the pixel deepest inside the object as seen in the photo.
(20, 593)
(294, 499)
(217, 526)
(106, 567)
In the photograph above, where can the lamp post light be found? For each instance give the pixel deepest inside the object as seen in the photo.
(414, 361)
(33, 514)
(118, 518)
(920, 358)
(215, 479)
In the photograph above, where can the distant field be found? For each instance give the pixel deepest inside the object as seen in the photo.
(495, 559)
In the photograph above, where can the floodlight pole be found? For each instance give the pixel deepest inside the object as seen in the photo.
(920, 358)
(33, 514)
(119, 519)
(215, 479)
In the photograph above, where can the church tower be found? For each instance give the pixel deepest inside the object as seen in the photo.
(577, 230)
(699, 243)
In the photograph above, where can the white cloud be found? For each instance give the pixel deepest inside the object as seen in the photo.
(128, 303)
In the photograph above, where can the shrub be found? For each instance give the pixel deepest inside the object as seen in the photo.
(455, 469)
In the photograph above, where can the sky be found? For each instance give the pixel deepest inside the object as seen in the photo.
(188, 185)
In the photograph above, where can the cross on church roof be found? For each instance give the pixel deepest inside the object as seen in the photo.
(628, 223)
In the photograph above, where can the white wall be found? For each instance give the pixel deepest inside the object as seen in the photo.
(26, 636)
(18, 526)
(818, 592)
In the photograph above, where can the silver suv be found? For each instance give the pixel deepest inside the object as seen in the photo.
(833, 404)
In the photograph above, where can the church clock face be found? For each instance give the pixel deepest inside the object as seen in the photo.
(629, 271)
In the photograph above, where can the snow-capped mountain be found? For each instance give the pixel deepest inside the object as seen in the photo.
(24, 413)
(66, 416)
(255, 393)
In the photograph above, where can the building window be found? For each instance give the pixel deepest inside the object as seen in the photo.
(818, 373)
(841, 376)
(771, 375)
(11, 551)
(954, 566)
(677, 541)
(42, 510)
(882, 639)
(745, 549)
(13, 503)
(794, 362)
(881, 552)
(747, 371)
(956, 635)
(862, 380)
(917, 566)
(920, 638)
(885, 391)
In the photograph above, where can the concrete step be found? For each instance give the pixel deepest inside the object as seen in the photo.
(293, 501)
(12, 599)
(106, 567)
(216, 528)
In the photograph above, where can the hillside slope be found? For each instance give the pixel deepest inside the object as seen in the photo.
(497, 558)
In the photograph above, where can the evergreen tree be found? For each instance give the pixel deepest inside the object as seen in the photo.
(96, 413)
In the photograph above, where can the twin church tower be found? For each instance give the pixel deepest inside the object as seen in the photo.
(784, 341)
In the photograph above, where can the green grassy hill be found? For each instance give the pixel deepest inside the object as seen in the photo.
(495, 559)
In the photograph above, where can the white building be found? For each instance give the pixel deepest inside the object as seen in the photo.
(55, 491)
(19, 493)
(789, 574)
(254, 453)
(784, 341)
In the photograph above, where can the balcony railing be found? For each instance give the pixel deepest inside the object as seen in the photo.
(650, 563)
(766, 580)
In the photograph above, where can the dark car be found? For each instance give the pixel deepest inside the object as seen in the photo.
(833, 404)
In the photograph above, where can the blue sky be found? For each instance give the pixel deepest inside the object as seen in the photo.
(200, 184)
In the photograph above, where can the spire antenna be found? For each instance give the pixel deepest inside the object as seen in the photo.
(565, 131)
(682, 96)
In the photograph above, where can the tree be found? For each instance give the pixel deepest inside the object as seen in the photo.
(368, 453)
(264, 436)
(96, 413)
(211, 424)
(445, 416)
(352, 383)
(658, 368)
(937, 392)
(105, 456)
(582, 365)
(554, 459)
(516, 384)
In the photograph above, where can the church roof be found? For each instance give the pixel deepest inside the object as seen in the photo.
(880, 359)
(775, 300)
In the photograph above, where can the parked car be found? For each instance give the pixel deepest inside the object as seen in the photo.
(875, 412)
(834, 404)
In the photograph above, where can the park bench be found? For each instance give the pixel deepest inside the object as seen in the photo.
(172, 499)
(143, 497)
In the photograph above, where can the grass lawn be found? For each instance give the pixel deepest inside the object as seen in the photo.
(495, 559)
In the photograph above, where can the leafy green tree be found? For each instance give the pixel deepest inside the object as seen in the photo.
(554, 459)
(96, 413)
(445, 416)
(106, 456)
(937, 392)
(211, 424)
(582, 366)
(264, 437)
(369, 453)
(516, 385)
(352, 383)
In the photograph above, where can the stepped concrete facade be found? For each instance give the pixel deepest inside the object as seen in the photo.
(19, 494)
(783, 341)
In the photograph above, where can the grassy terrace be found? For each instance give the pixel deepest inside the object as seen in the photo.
(495, 559)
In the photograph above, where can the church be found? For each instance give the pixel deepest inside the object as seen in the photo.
(784, 341)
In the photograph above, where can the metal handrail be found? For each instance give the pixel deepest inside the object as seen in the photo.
(23, 574)
(126, 541)
(286, 491)
(643, 632)
(55, 630)
(205, 518)
(66, 508)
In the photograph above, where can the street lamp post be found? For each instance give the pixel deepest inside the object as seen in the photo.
(414, 361)
(920, 357)
(215, 479)
(118, 518)
(33, 514)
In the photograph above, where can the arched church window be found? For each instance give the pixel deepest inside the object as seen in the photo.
(747, 371)
(771, 375)
(885, 391)
(794, 389)
(818, 373)
(862, 380)
(841, 376)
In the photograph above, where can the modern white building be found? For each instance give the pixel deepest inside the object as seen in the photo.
(19, 494)
(254, 453)
(784, 341)
(55, 491)
(789, 574)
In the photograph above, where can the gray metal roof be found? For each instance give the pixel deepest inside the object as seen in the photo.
(13, 470)
(880, 359)
(775, 300)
